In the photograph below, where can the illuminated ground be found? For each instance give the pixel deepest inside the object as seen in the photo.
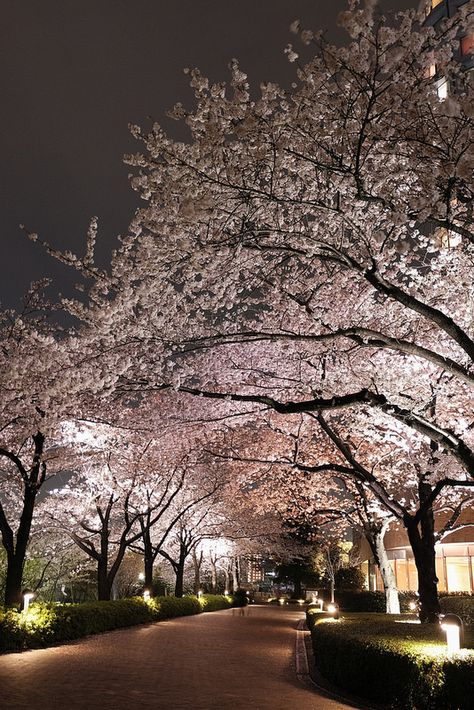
(220, 660)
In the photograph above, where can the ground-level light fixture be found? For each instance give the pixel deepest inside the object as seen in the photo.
(333, 609)
(226, 592)
(146, 595)
(282, 600)
(453, 627)
(413, 606)
(27, 596)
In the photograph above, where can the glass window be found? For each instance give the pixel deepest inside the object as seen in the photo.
(412, 575)
(442, 88)
(467, 44)
(440, 574)
(401, 575)
(457, 571)
(435, 3)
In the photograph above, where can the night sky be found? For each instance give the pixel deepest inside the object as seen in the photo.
(75, 73)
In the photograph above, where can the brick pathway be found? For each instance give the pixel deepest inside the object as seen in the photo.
(215, 661)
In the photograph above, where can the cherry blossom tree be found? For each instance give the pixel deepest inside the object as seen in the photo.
(310, 251)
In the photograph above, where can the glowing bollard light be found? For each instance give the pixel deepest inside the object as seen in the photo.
(282, 600)
(27, 595)
(333, 609)
(146, 595)
(226, 593)
(452, 625)
(413, 606)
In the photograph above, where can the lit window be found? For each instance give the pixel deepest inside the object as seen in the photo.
(467, 45)
(435, 3)
(442, 88)
(430, 71)
(446, 239)
(457, 569)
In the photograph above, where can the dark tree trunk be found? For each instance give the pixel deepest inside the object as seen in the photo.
(422, 540)
(104, 586)
(179, 570)
(148, 557)
(16, 550)
(13, 581)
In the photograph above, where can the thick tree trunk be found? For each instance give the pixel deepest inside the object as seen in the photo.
(13, 581)
(386, 572)
(179, 571)
(422, 541)
(16, 550)
(104, 586)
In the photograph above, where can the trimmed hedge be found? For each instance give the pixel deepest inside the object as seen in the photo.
(463, 606)
(402, 665)
(48, 624)
(215, 602)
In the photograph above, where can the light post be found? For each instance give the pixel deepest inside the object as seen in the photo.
(453, 627)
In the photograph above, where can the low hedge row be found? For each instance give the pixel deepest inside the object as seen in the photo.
(48, 624)
(402, 665)
(463, 606)
(215, 602)
(365, 601)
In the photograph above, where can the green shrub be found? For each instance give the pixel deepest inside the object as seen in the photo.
(360, 601)
(215, 602)
(463, 606)
(47, 624)
(399, 664)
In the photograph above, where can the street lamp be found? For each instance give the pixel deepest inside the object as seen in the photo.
(453, 627)
(27, 595)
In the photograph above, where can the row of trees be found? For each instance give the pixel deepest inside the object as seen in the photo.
(298, 281)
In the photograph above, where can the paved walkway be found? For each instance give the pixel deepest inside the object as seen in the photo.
(216, 661)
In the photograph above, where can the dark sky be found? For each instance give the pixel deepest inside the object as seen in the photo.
(74, 73)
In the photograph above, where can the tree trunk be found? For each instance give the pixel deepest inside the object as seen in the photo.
(179, 571)
(148, 556)
(422, 541)
(13, 581)
(386, 572)
(213, 576)
(16, 550)
(197, 562)
(104, 586)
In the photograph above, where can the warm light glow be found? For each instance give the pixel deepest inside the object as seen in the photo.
(281, 600)
(331, 608)
(453, 637)
(442, 88)
(27, 597)
(300, 602)
(413, 606)
(226, 593)
(146, 594)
